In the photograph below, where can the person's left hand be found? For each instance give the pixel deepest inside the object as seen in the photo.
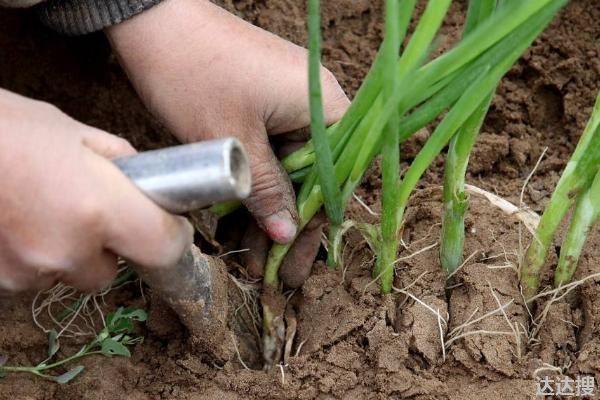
(206, 73)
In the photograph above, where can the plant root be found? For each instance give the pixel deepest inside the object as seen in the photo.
(529, 218)
(273, 335)
(74, 314)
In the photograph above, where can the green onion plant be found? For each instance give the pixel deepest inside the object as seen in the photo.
(391, 146)
(455, 201)
(332, 197)
(459, 81)
(402, 93)
(578, 186)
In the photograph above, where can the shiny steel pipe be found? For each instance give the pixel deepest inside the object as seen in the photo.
(181, 179)
(192, 176)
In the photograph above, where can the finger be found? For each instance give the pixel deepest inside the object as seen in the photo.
(45, 280)
(335, 104)
(258, 243)
(299, 135)
(335, 101)
(98, 273)
(136, 228)
(298, 262)
(13, 283)
(285, 148)
(105, 144)
(23, 278)
(272, 201)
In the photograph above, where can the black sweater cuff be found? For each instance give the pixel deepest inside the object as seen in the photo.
(77, 17)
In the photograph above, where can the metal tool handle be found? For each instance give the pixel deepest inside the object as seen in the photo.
(182, 179)
(192, 176)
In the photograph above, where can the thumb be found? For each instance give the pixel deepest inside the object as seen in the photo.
(335, 101)
(294, 114)
(272, 201)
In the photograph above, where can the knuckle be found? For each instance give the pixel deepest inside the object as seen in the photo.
(265, 180)
(263, 203)
(328, 78)
(32, 254)
(165, 257)
(178, 234)
(45, 108)
(10, 283)
(122, 146)
(268, 196)
(336, 101)
(92, 281)
(42, 262)
(269, 181)
(89, 213)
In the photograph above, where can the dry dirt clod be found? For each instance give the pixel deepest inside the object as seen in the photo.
(196, 289)
(162, 321)
(485, 311)
(205, 223)
(290, 333)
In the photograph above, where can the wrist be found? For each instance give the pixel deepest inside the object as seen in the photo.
(78, 17)
(173, 23)
(187, 59)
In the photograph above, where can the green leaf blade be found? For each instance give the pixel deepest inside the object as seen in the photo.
(111, 347)
(69, 375)
(324, 163)
(53, 344)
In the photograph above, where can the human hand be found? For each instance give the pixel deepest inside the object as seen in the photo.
(67, 211)
(206, 73)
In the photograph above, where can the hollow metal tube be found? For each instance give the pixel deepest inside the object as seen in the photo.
(192, 176)
(181, 179)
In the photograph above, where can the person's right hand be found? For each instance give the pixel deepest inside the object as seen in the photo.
(66, 211)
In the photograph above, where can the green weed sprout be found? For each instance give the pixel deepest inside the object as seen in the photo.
(579, 187)
(112, 340)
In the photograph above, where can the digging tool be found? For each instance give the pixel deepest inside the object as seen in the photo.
(181, 179)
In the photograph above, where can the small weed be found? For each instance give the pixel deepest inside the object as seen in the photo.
(113, 340)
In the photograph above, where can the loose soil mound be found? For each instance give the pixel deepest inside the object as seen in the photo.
(352, 342)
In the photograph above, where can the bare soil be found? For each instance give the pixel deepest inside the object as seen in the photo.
(351, 341)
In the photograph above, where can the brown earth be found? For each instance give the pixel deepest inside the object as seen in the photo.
(351, 341)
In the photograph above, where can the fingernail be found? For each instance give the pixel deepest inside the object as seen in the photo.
(281, 227)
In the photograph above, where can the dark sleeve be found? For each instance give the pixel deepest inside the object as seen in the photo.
(78, 17)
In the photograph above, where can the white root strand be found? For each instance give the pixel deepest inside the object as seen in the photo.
(529, 218)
